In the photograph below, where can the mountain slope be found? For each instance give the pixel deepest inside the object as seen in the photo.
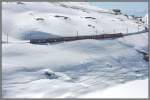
(63, 19)
(68, 69)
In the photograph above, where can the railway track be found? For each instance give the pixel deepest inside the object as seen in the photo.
(74, 38)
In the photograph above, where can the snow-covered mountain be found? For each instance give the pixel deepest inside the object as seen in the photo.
(68, 69)
(63, 19)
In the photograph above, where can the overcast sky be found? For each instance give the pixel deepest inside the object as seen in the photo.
(131, 8)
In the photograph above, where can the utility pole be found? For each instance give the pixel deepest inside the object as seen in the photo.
(114, 31)
(77, 33)
(30, 36)
(127, 30)
(103, 31)
(7, 38)
(138, 27)
(96, 32)
(25, 36)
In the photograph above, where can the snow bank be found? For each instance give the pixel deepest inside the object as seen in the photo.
(135, 89)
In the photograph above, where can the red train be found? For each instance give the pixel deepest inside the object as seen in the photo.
(73, 38)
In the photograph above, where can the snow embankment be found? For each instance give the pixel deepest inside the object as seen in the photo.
(138, 41)
(134, 89)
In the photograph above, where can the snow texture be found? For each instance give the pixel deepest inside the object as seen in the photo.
(69, 69)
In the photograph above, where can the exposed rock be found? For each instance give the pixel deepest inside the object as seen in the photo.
(19, 2)
(117, 11)
(62, 16)
(90, 17)
(89, 25)
(51, 75)
(146, 57)
(39, 19)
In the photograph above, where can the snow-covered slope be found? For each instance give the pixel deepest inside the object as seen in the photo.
(145, 19)
(23, 19)
(122, 91)
(67, 69)
(88, 65)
